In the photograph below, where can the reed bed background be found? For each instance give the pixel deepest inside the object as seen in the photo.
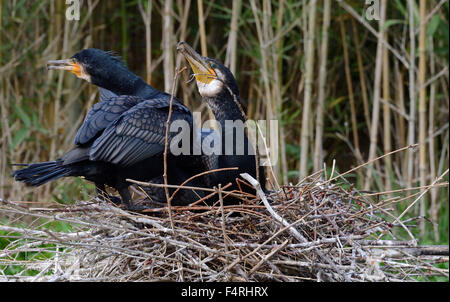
(344, 89)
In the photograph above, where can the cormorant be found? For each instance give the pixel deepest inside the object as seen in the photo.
(109, 73)
(218, 88)
(122, 136)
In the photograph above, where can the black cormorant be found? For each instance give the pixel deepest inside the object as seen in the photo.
(218, 88)
(108, 72)
(122, 135)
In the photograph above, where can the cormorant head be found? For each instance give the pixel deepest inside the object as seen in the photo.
(93, 65)
(213, 78)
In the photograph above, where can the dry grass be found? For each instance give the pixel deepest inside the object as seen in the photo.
(316, 231)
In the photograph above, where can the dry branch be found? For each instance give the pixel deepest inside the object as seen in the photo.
(316, 230)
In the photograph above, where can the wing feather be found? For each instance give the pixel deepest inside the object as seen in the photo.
(102, 114)
(138, 133)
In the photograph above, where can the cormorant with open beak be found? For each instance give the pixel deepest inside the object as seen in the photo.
(218, 88)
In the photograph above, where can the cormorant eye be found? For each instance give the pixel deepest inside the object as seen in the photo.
(74, 60)
(213, 66)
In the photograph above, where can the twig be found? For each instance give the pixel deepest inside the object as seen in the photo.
(421, 195)
(222, 214)
(166, 189)
(371, 161)
(268, 256)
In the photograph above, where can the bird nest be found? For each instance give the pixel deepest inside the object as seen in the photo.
(317, 230)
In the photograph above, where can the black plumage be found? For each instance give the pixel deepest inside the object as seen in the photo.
(122, 136)
(128, 147)
(219, 89)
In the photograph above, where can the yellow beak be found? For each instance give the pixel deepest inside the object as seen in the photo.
(202, 71)
(68, 64)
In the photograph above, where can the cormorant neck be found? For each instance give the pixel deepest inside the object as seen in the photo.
(225, 108)
(127, 83)
(144, 90)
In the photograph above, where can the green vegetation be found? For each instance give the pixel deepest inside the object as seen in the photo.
(16, 241)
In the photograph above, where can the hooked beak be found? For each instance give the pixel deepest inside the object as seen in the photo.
(202, 71)
(68, 64)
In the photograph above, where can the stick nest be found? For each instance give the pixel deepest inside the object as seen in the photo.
(314, 231)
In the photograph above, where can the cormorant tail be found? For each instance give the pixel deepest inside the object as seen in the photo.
(41, 173)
